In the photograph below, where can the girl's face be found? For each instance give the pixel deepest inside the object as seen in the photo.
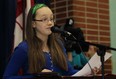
(44, 20)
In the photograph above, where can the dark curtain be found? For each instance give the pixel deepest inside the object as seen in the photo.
(47, 2)
(7, 24)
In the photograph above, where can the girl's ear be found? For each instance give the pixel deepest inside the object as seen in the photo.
(33, 24)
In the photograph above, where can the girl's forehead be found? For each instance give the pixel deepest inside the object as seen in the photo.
(44, 11)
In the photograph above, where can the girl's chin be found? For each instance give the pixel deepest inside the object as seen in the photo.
(49, 33)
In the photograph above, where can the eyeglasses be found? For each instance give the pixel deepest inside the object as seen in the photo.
(45, 20)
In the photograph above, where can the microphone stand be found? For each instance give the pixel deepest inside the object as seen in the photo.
(101, 52)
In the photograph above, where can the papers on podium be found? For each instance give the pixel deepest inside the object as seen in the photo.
(94, 62)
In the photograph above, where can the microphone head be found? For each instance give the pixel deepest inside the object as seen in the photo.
(63, 33)
(55, 29)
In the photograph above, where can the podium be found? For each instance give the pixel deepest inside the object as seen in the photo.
(57, 76)
(108, 76)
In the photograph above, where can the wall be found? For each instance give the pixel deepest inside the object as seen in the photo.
(113, 33)
(92, 16)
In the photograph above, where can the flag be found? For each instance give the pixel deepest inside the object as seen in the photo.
(23, 7)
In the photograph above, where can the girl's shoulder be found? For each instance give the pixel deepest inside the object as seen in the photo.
(22, 46)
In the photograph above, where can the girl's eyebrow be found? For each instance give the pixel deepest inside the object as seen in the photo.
(44, 15)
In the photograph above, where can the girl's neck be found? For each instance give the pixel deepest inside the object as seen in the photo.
(45, 47)
(44, 39)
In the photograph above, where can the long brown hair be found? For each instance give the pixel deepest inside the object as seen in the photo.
(35, 53)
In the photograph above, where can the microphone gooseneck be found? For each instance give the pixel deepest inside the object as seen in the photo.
(55, 29)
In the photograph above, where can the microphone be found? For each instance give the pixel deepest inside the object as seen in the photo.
(55, 29)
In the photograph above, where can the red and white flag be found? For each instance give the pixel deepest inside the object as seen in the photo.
(18, 32)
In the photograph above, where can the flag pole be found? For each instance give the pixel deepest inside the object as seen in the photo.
(23, 9)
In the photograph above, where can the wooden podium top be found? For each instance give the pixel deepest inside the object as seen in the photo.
(54, 76)
(108, 76)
